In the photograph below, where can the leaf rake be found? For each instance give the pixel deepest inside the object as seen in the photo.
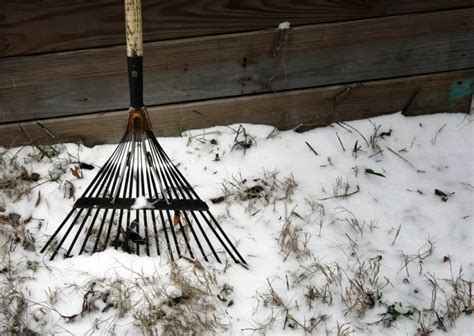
(139, 201)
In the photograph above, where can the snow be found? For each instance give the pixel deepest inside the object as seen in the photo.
(141, 203)
(284, 25)
(329, 243)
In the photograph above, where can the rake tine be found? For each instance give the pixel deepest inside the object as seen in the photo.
(225, 237)
(150, 193)
(125, 165)
(156, 232)
(173, 233)
(195, 236)
(56, 250)
(177, 214)
(107, 237)
(78, 233)
(154, 170)
(89, 231)
(166, 235)
(147, 245)
(58, 230)
(206, 237)
(113, 172)
(183, 194)
(100, 231)
(101, 175)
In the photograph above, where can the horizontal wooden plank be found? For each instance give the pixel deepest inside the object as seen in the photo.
(73, 83)
(41, 26)
(309, 108)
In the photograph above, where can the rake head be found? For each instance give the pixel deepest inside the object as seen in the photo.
(140, 202)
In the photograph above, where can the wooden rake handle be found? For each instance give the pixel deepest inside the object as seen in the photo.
(134, 35)
(133, 27)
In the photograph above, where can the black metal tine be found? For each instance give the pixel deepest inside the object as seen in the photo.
(95, 181)
(123, 188)
(114, 160)
(89, 231)
(119, 230)
(169, 184)
(145, 223)
(58, 247)
(153, 218)
(195, 236)
(128, 189)
(99, 174)
(117, 171)
(156, 169)
(205, 237)
(58, 229)
(142, 184)
(135, 178)
(113, 176)
(175, 191)
(104, 216)
(196, 220)
(136, 172)
(181, 191)
(166, 235)
(209, 213)
(107, 176)
(173, 233)
(224, 235)
(109, 230)
(150, 185)
(170, 164)
(125, 168)
(78, 233)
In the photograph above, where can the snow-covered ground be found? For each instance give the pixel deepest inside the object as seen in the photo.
(358, 228)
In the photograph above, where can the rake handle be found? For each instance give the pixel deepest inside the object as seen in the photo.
(134, 36)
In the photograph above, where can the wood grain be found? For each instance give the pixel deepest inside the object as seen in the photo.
(43, 26)
(73, 83)
(303, 109)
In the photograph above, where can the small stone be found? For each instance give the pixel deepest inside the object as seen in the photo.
(34, 177)
(14, 217)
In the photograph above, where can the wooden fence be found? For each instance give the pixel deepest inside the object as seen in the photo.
(218, 62)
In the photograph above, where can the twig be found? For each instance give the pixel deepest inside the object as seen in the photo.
(311, 147)
(342, 126)
(401, 157)
(341, 196)
(340, 142)
(396, 234)
(379, 152)
(355, 129)
(29, 189)
(433, 141)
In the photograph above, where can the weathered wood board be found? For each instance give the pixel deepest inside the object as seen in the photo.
(73, 83)
(34, 26)
(304, 109)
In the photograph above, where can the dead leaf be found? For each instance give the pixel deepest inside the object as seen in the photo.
(86, 166)
(218, 199)
(76, 171)
(177, 217)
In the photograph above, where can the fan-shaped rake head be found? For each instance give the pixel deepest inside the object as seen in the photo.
(141, 203)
